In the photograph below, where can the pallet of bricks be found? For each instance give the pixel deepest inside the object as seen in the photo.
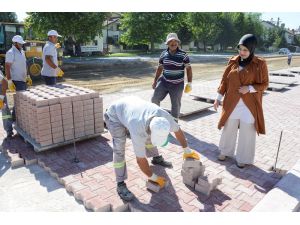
(52, 115)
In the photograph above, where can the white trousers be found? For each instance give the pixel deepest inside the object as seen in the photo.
(246, 143)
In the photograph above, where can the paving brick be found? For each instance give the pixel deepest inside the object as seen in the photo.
(98, 205)
(152, 186)
(57, 124)
(203, 189)
(41, 116)
(187, 179)
(122, 208)
(56, 107)
(43, 121)
(84, 195)
(75, 187)
(16, 161)
(56, 118)
(45, 143)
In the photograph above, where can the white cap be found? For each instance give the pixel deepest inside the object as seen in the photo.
(53, 33)
(18, 39)
(160, 129)
(172, 36)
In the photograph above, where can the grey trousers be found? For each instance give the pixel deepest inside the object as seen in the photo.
(174, 90)
(245, 151)
(7, 118)
(118, 133)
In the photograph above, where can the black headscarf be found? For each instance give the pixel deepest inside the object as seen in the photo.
(250, 42)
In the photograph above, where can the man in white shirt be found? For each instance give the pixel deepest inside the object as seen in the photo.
(149, 126)
(50, 68)
(16, 72)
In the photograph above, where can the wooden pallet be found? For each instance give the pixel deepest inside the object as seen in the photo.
(38, 148)
(276, 87)
(282, 80)
(283, 72)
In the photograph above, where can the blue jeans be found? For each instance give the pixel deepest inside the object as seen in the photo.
(175, 91)
(49, 80)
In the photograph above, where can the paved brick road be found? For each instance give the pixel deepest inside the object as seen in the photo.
(92, 180)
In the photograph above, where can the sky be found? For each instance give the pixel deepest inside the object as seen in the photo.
(291, 19)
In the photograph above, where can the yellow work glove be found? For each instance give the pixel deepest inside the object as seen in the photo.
(11, 86)
(1, 101)
(59, 72)
(190, 155)
(161, 181)
(28, 81)
(188, 87)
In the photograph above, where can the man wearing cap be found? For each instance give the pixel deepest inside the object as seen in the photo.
(149, 126)
(50, 69)
(16, 72)
(172, 63)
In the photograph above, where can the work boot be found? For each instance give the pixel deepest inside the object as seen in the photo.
(9, 135)
(159, 160)
(124, 193)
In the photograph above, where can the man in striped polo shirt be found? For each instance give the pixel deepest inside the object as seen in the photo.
(172, 63)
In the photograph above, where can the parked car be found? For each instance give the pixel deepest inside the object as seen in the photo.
(284, 51)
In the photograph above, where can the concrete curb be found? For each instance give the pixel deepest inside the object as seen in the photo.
(285, 196)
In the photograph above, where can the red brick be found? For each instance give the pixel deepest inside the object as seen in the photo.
(98, 205)
(84, 195)
(41, 110)
(75, 186)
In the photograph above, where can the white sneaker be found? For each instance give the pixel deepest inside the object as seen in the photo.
(221, 157)
(240, 165)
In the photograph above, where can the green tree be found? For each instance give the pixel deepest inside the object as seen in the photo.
(81, 26)
(270, 36)
(146, 28)
(10, 17)
(180, 25)
(226, 28)
(204, 28)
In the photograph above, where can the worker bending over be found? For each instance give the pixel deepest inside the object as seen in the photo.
(149, 126)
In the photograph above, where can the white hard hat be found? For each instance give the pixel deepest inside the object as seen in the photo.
(172, 36)
(18, 39)
(53, 33)
(160, 129)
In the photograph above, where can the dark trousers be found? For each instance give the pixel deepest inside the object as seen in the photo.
(174, 90)
(49, 80)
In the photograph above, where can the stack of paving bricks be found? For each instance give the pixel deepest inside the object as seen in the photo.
(59, 113)
(193, 175)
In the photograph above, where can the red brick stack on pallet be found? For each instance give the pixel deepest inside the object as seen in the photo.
(54, 114)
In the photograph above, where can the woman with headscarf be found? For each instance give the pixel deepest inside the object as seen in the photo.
(242, 86)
